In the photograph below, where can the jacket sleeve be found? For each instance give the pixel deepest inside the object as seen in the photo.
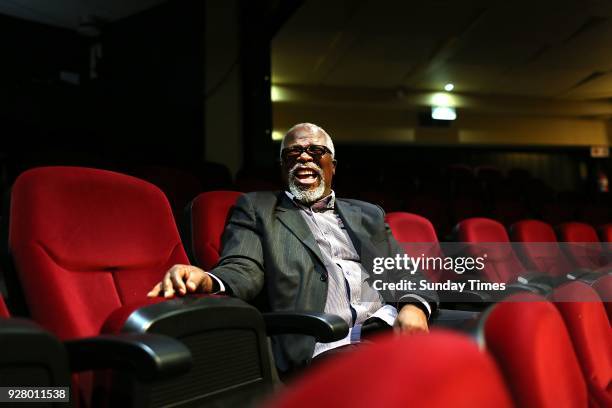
(241, 264)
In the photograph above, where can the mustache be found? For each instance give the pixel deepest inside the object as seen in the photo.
(311, 166)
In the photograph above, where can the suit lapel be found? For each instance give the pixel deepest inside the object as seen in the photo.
(352, 218)
(290, 216)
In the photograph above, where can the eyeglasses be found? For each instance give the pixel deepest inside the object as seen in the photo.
(315, 151)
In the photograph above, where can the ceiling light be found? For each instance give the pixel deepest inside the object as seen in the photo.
(443, 113)
(449, 87)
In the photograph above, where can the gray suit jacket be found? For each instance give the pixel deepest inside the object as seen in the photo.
(267, 244)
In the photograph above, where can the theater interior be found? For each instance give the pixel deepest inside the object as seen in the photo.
(131, 128)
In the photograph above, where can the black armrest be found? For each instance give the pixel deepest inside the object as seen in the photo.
(537, 288)
(148, 356)
(465, 296)
(324, 327)
(581, 273)
(461, 320)
(27, 348)
(536, 277)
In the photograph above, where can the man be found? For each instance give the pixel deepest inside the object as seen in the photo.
(314, 250)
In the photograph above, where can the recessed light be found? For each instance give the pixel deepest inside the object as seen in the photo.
(449, 87)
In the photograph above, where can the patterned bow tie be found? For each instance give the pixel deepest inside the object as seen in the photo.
(321, 206)
(325, 204)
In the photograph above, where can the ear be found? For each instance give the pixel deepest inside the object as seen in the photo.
(334, 162)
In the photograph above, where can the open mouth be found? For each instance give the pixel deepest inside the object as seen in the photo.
(306, 176)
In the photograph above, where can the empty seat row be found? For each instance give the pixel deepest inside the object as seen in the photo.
(533, 262)
(536, 354)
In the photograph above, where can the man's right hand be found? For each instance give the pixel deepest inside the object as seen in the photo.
(182, 279)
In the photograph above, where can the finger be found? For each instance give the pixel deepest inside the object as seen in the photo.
(167, 289)
(193, 281)
(177, 277)
(155, 291)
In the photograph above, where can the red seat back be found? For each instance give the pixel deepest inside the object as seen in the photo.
(209, 212)
(438, 370)
(87, 241)
(528, 338)
(501, 264)
(418, 236)
(585, 249)
(589, 329)
(537, 247)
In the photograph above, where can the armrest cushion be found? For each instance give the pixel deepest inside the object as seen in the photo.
(148, 356)
(154, 309)
(324, 327)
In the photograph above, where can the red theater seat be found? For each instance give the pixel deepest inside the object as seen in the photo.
(501, 265)
(89, 244)
(537, 247)
(488, 239)
(97, 239)
(527, 337)
(418, 236)
(584, 250)
(589, 329)
(438, 370)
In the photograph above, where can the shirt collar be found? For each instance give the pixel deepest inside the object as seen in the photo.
(324, 204)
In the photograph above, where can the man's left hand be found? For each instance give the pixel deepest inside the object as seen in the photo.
(411, 319)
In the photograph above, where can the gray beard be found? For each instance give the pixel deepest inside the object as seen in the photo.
(308, 196)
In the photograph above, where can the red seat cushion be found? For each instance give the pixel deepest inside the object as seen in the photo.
(87, 241)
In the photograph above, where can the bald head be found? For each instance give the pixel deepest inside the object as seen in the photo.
(308, 130)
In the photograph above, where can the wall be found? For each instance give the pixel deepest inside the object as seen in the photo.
(222, 94)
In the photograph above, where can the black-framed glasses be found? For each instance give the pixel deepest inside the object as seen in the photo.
(314, 151)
